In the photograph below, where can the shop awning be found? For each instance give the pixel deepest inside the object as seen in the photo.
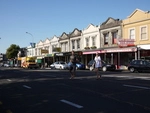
(39, 60)
(93, 52)
(144, 46)
(115, 50)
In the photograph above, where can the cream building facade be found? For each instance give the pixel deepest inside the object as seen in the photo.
(137, 27)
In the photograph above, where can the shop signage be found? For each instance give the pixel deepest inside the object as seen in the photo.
(57, 49)
(93, 52)
(39, 57)
(126, 42)
(121, 50)
(59, 54)
(44, 51)
(50, 55)
(75, 52)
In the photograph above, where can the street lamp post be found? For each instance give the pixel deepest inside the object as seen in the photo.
(32, 41)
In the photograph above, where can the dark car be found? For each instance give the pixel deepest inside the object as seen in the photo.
(105, 66)
(139, 66)
(80, 65)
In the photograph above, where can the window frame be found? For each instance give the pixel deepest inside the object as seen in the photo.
(106, 38)
(93, 40)
(78, 43)
(73, 44)
(140, 35)
(114, 37)
(129, 33)
(87, 41)
(66, 46)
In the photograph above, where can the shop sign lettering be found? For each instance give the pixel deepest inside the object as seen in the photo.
(126, 42)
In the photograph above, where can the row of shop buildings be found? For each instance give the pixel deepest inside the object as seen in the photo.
(117, 41)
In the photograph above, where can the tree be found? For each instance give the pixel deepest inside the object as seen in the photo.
(12, 51)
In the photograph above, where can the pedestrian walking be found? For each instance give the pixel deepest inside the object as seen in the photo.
(97, 64)
(72, 69)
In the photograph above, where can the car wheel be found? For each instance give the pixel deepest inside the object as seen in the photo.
(60, 68)
(132, 69)
(104, 68)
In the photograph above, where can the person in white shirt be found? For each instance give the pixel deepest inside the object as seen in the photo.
(97, 65)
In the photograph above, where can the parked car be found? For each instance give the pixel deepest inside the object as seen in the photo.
(139, 66)
(80, 65)
(105, 66)
(6, 65)
(59, 65)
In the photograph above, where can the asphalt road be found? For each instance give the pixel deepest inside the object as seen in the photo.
(51, 91)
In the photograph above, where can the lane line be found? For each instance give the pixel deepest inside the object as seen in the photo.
(141, 87)
(127, 77)
(71, 103)
(27, 86)
(8, 79)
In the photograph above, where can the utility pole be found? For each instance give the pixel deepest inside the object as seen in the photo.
(32, 41)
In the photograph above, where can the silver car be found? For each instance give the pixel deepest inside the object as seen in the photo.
(6, 65)
(59, 65)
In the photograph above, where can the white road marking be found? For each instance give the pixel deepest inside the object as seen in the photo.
(127, 77)
(26, 86)
(8, 79)
(72, 104)
(141, 87)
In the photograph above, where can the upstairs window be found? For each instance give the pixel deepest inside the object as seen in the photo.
(93, 41)
(53, 48)
(106, 38)
(132, 34)
(114, 37)
(78, 44)
(87, 42)
(73, 44)
(143, 32)
(66, 46)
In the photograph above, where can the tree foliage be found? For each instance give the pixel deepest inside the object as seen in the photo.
(12, 51)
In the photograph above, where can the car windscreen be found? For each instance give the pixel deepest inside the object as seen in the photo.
(62, 62)
(105, 62)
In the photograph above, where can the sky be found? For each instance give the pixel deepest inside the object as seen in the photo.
(43, 19)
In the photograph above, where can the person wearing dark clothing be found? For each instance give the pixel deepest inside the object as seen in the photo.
(73, 60)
